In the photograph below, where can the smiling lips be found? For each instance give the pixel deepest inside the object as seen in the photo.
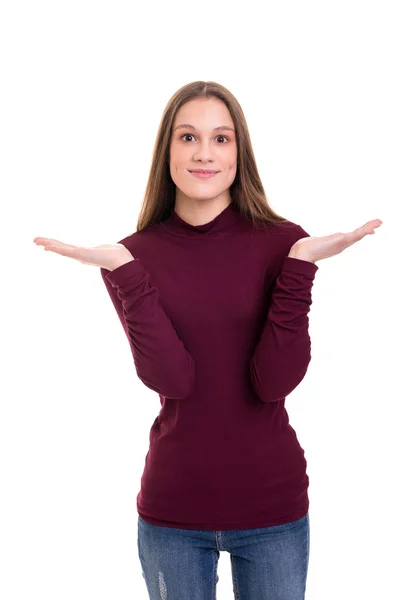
(204, 174)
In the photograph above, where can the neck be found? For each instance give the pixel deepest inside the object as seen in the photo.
(199, 212)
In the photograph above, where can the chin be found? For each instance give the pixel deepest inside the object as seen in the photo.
(206, 195)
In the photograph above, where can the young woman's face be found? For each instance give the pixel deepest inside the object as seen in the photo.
(205, 147)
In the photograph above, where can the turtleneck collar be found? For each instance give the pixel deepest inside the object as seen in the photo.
(220, 224)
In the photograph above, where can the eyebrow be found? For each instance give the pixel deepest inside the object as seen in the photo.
(187, 126)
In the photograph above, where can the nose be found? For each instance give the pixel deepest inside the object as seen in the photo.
(203, 151)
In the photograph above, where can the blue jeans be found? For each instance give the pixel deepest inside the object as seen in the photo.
(268, 563)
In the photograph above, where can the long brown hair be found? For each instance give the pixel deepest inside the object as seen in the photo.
(247, 192)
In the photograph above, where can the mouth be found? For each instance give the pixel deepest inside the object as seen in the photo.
(203, 174)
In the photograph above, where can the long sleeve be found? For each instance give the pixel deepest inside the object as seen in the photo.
(283, 352)
(162, 362)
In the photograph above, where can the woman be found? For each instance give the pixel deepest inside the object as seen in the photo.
(213, 291)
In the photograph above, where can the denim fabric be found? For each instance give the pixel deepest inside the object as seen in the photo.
(268, 563)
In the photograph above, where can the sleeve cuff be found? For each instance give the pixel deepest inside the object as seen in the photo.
(124, 274)
(298, 265)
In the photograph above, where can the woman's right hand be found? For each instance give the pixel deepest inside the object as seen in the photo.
(107, 256)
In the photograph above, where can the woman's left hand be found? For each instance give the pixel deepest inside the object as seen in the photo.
(107, 256)
(316, 248)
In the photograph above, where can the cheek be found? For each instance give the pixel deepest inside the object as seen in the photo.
(232, 160)
(233, 167)
(179, 159)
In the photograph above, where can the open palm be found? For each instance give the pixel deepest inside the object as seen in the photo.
(317, 248)
(107, 256)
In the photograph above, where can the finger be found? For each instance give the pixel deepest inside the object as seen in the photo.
(369, 228)
(360, 232)
(70, 252)
(41, 241)
(61, 248)
(371, 224)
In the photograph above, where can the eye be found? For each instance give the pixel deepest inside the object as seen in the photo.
(191, 134)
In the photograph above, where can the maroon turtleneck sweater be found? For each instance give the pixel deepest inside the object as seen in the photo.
(216, 316)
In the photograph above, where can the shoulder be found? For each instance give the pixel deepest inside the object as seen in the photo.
(289, 230)
(145, 245)
(275, 242)
(140, 239)
(282, 235)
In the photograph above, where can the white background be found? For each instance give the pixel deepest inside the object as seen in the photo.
(83, 87)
